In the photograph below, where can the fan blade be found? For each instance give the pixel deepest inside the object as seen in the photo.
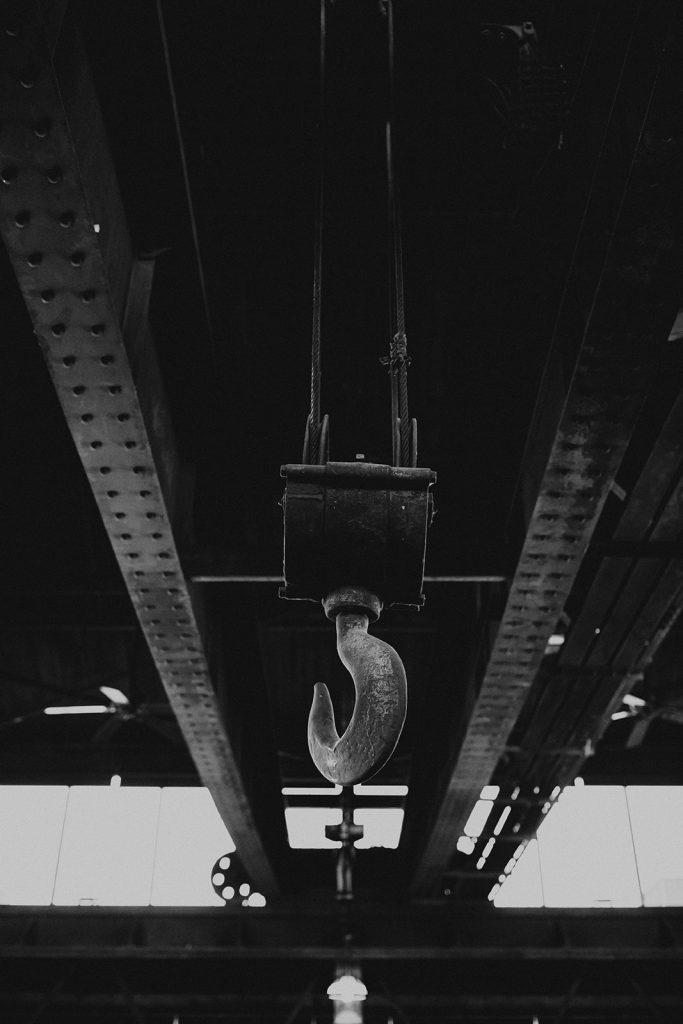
(639, 732)
(105, 732)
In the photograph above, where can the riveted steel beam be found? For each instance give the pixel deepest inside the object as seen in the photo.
(63, 224)
(623, 326)
(429, 930)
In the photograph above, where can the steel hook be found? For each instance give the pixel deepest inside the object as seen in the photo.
(381, 695)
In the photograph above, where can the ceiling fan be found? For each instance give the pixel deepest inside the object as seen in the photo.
(118, 709)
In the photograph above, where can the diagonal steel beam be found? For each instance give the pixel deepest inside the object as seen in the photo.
(65, 231)
(622, 333)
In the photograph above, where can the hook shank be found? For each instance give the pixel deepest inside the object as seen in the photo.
(381, 700)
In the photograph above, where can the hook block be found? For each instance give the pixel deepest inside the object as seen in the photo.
(350, 521)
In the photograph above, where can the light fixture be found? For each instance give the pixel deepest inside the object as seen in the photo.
(618, 715)
(347, 989)
(79, 709)
(346, 1014)
(113, 694)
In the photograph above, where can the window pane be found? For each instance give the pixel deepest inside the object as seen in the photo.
(382, 826)
(523, 887)
(306, 827)
(191, 838)
(586, 850)
(108, 846)
(31, 819)
(657, 821)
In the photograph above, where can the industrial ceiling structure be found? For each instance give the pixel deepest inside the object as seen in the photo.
(158, 168)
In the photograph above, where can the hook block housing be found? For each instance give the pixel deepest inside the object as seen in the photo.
(347, 522)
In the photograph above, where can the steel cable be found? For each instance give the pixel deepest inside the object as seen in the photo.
(398, 353)
(316, 372)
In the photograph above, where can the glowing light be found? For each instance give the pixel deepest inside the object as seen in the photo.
(115, 781)
(78, 709)
(114, 695)
(465, 845)
(347, 989)
(489, 793)
(555, 640)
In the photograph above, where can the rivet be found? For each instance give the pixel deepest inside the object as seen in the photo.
(164, 554)
(41, 128)
(168, 573)
(67, 219)
(112, 494)
(22, 218)
(152, 515)
(8, 175)
(58, 329)
(54, 176)
(87, 296)
(106, 360)
(119, 515)
(123, 417)
(77, 258)
(87, 417)
(157, 536)
(47, 295)
(69, 360)
(139, 469)
(139, 572)
(126, 536)
(132, 554)
(35, 259)
(131, 444)
(95, 444)
(97, 329)
(114, 389)
(27, 79)
(79, 389)
(145, 494)
(104, 470)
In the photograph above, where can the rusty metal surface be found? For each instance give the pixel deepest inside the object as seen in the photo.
(381, 689)
(65, 232)
(622, 335)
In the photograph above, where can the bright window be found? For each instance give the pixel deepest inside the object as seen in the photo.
(602, 846)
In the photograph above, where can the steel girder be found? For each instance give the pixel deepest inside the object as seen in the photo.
(420, 930)
(65, 231)
(629, 257)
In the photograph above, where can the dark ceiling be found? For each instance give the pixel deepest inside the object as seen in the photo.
(540, 176)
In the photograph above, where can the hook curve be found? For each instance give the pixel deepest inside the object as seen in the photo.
(380, 710)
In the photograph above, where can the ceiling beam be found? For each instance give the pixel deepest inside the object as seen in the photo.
(63, 223)
(423, 931)
(618, 304)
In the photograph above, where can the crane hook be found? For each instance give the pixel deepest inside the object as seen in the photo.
(381, 695)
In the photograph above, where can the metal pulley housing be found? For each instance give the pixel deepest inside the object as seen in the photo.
(352, 522)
